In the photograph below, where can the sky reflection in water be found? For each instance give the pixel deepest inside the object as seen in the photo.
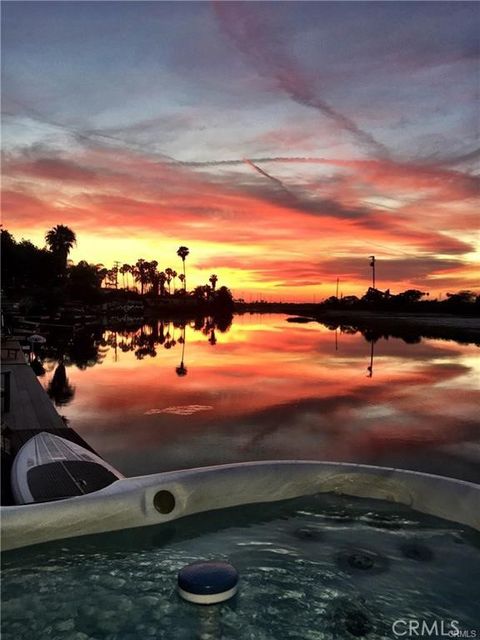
(266, 389)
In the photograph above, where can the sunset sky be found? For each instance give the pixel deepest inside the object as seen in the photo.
(282, 142)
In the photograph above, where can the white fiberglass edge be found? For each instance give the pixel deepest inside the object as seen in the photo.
(129, 502)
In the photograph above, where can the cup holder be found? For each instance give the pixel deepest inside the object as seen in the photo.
(164, 501)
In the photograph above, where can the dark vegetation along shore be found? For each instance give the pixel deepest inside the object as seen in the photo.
(46, 287)
(44, 283)
(380, 314)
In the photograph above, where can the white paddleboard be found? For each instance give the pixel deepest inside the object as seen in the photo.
(49, 467)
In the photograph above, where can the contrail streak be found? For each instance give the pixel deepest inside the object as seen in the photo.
(270, 60)
(267, 175)
(235, 161)
(87, 136)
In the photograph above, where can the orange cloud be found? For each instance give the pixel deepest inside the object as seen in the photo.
(292, 238)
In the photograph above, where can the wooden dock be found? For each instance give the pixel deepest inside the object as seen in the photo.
(26, 410)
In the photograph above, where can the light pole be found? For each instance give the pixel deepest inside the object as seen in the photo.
(372, 264)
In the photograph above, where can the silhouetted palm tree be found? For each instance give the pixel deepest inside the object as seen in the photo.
(140, 273)
(60, 240)
(213, 280)
(169, 274)
(202, 292)
(154, 277)
(162, 280)
(183, 253)
(125, 269)
(174, 275)
(110, 278)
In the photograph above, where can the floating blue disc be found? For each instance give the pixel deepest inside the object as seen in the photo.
(207, 582)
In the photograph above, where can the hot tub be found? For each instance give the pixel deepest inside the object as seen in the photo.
(323, 551)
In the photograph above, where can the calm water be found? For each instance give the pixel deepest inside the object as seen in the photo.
(169, 397)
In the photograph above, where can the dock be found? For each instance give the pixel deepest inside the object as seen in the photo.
(26, 410)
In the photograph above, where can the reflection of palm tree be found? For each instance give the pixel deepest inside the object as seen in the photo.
(181, 370)
(60, 240)
(86, 349)
(145, 344)
(161, 336)
(59, 388)
(183, 253)
(37, 366)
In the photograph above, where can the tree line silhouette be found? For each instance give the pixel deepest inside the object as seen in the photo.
(47, 274)
(411, 300)
(50, 279)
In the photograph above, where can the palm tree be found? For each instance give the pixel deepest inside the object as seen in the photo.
(125, 268)
(152, 274)
(174, 275)
(140, 273)
(153, 277)
(109, 278)
(101, 272)
(60, 240)
(183, 253)
(213, 279)
(169, 273)
(162, 280)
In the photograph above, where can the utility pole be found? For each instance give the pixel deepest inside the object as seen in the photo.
(116, 265)
(372, 264)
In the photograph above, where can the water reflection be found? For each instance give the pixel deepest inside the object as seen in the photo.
(59, 388)
(145, 340)
(185, 393)
(88, 346)
(181, 370)
(372, 353)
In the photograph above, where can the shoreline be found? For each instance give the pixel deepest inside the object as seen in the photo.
(408, 323)
(464, 329)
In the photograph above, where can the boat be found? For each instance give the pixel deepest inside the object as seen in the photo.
(300, 319)
(49, 467)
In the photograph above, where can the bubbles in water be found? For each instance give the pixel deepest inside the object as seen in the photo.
(304, 575)
(362, 560)
(309, 534)
(357, 623)
(417, 551)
